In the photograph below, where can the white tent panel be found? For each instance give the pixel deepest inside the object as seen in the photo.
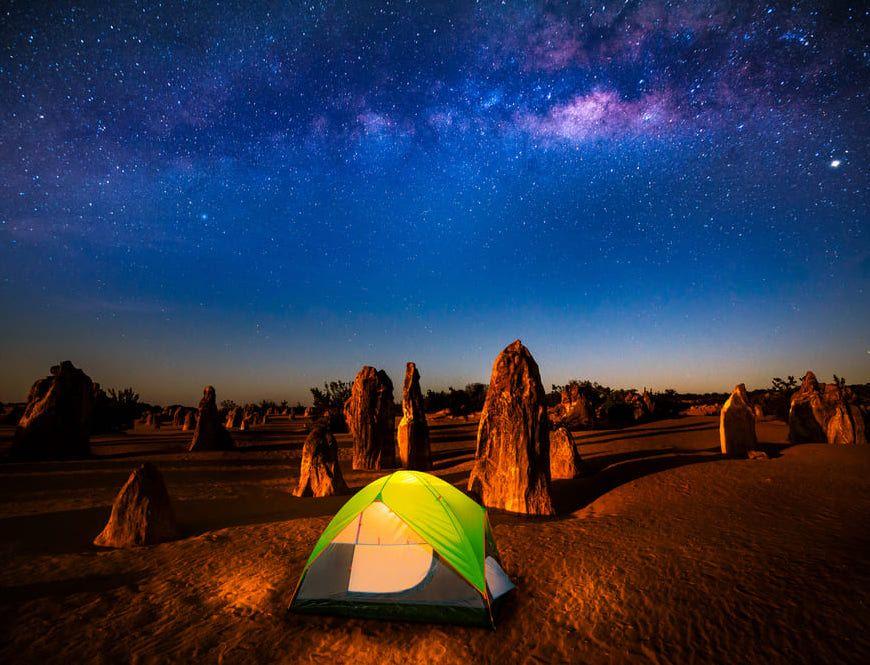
(388, 568)
(496, 579)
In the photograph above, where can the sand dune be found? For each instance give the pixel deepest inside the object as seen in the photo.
(666, 553)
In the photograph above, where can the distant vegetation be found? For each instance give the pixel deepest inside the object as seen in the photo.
(461, 402)
(116, 410)
(330, 400)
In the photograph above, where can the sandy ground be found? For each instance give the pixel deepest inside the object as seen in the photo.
(665, 553)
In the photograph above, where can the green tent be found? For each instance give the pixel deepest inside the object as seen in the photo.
(406, 546)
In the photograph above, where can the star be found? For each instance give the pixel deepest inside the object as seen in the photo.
(835, 163)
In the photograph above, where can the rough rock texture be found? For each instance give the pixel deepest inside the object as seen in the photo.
(320, 472)
(512, 463)
(574, 411)
(806, 415)
(189, 421)
(142, 513)
(845, 422)
(737, 425)
(564, 459)
(58, 417)
(235, 417)
(413, 433)
(369, 416)
(210, 433)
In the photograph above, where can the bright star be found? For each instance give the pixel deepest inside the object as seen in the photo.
(835, 163)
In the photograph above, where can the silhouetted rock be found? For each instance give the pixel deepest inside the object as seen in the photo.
(759, 412)
(57, 420)
(413, 434)
(564, 459)
(806, 416)
(189, 421)
(574, 411)
(210, 433)
(142, 513)
(737, 425)
(512, 463)
(845, 421)
(320, 472)
(369, 416)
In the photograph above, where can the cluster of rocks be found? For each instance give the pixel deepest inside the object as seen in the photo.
(703, 410)
(574, 410)
(246, 417)
(825, 413)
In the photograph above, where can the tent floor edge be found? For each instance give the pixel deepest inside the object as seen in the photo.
(444, 614)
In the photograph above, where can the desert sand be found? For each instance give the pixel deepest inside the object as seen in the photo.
(667, 552)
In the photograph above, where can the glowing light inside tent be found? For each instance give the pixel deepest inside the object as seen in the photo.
(388, 555)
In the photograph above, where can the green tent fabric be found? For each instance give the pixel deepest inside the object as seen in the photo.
(453, 525)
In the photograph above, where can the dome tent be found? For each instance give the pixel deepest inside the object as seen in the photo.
(406, 546)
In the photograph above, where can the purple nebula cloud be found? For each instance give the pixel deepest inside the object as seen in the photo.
(602, 114)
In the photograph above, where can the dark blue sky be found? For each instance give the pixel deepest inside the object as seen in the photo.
(266, 195)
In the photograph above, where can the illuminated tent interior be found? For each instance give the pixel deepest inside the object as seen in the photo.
(406, 546)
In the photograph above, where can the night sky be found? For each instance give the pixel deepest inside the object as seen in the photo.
(263, 196)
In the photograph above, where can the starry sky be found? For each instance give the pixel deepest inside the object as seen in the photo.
(266, 195)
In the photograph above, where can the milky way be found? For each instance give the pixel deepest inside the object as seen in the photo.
(264, 195)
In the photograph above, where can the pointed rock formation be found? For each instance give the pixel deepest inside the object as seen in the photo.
(178, 416)
(564, 459)
(320, 472)
(210, 433)
(806, 415)
(413, 433)
(57, 420)
(737, 425)
(189, 421)
(512, 463)
(759, 412)
(142, 513)
(845, 422)
(369, 416)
